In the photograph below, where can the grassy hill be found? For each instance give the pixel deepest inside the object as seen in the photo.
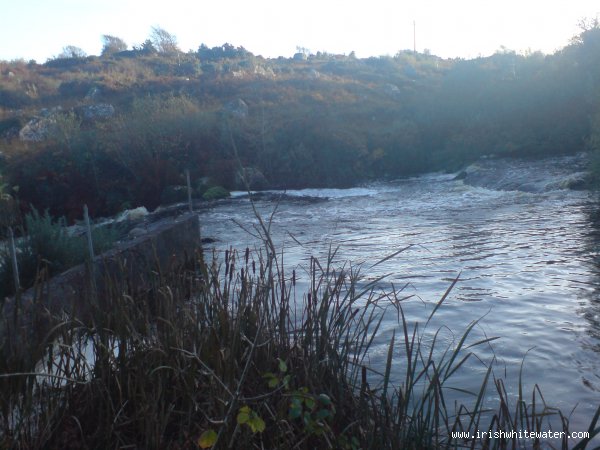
(119, 130)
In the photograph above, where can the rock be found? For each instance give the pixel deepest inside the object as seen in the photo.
(99, 111)
(40, 127)
(237, 109)
(49, 112)
(36, 130)
(253, 177)
(132, 214)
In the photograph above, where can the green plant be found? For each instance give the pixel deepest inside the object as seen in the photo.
(46, 248)
(215, 193)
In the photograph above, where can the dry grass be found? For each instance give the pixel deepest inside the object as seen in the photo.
(226, 354)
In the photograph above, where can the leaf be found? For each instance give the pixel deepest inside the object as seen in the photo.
(295, 409)
(324, 399)
(243, 415)
(256, 423)
(286, 380)
(250, 418)
(309, 402)
(282, 366)
(272, 380)
(207, 439)
(323, 414)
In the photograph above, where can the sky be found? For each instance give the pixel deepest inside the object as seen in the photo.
(39, 29)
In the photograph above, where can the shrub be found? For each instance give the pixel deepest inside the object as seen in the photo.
(174, 194)
(215, 193)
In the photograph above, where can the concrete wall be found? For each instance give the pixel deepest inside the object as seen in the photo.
(162, 247)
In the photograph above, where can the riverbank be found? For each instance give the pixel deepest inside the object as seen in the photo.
(230, 353)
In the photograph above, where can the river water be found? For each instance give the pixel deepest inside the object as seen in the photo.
(527, 253)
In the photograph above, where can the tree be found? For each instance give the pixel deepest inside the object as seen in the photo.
(163, 41)
(112, 45)
(70, 51)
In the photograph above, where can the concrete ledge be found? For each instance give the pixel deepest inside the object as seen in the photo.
(163, 247)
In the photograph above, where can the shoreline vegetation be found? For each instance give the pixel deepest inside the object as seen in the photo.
(226, 353)
(118, 130)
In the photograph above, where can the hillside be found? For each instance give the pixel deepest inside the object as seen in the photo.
(119, 130)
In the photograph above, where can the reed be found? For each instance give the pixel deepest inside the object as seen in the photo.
(223, 352)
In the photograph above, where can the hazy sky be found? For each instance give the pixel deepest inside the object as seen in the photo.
(39, 29)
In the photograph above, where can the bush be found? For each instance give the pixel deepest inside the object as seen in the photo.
(215, 193)
(174, 194)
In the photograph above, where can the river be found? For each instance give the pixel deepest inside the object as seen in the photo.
(526, 251)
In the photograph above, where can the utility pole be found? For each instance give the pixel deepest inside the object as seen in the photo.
(414, 36)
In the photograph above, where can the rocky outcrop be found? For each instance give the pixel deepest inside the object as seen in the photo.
(38, 129)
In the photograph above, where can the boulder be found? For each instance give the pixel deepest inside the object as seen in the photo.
(130, 215)
(37, 129)
(41, 126)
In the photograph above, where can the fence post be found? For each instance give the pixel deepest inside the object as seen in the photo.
(189, 189)
(13, 259)
(88, 232)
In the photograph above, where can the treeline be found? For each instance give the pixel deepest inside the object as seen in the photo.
(119, 130)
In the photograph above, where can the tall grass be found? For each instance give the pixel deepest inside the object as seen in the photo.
(225, 353)
(47, 246)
